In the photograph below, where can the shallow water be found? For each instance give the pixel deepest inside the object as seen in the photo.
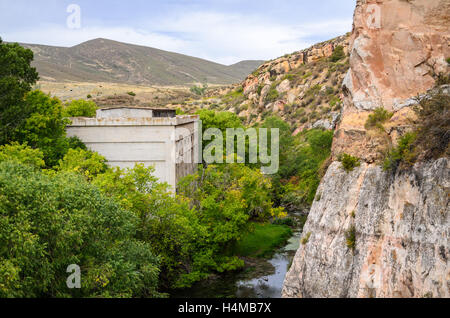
(268, 282)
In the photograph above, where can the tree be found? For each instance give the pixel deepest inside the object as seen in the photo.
(80, 108)
(16, 79)
(167, 222)
(50, 222)
(23, 154)
(45, 127)
(87, 163)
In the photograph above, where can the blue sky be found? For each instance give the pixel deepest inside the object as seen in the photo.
(224, 31)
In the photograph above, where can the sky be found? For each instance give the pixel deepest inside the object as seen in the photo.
(224, 31)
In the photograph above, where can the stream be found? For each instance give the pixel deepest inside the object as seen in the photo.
(262, 278)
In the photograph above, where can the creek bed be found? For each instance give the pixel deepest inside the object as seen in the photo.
(262, 278)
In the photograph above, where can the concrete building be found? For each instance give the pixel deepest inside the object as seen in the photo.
(155, 137)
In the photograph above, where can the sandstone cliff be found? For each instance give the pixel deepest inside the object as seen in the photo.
(371, 233)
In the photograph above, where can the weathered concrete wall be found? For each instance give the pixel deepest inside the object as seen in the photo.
(160, 142)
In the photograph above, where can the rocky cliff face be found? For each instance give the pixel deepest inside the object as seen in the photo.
(374, 234)
(398, 48)
(401, 228)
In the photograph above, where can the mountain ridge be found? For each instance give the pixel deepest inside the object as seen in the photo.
(104, 60)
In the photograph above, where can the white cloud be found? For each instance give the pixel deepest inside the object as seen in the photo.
(224, 38)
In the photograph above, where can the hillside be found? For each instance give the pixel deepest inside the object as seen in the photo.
(102, 60)
(304, 88)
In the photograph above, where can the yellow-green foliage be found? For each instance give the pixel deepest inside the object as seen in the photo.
(262, 240)
(45, 127)
(80, 108)
(23, 154)
(87, 163)
(50, 222)
(338, 54)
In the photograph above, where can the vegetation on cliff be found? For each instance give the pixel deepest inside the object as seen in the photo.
(430, 135)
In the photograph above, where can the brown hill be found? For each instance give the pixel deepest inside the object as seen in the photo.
(102, 60)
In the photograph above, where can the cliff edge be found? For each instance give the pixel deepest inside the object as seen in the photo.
(372, 233)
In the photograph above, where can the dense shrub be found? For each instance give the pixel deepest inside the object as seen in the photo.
(48, 223)
(199, 90)
(430, 136)
(167, 222)
(22, 154)
(402, 154)
(305, 159)
(273, 94)
(87, 163)
(338, 54)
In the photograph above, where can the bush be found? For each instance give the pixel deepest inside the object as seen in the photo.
(302, 167)
(199, 90)
(433, 129)
(273, 94)
(338, 54)
(378, 118)
(402, 154)
(350, 238)
(80, 108)
(167, 222)
(349, 162)
(286, 221)
(131, 94)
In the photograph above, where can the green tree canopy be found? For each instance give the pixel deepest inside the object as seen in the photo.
(50, 222)
(16, 78)
(45, 127)
(80, 108)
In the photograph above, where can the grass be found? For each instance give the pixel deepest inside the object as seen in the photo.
(262, 241)
(378, 118)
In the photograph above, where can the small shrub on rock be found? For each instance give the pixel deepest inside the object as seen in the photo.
(349, 162)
